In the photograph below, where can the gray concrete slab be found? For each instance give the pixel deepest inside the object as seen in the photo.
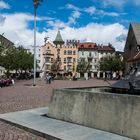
(33, 121)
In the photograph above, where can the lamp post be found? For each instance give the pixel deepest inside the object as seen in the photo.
(36, 4)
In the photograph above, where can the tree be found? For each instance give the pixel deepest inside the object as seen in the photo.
(17, 59)
(55, 67)
(23, 60)
(7, 58)
(83, 66)
(111, 63)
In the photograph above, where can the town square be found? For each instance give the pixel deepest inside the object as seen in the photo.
(69, 70)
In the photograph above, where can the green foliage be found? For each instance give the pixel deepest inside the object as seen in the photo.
(83, 66)
(18, 59)
(55, 67)
(111, 63)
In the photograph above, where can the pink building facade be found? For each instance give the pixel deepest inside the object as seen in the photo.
(66, 54)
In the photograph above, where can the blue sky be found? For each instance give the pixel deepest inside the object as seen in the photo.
(99, 21)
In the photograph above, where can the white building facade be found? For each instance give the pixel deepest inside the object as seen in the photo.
(93, 53)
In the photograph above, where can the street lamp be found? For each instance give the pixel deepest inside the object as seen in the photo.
(36, 4)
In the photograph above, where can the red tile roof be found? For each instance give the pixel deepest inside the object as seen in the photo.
(86, 45)
(91, 45)
(105, 48)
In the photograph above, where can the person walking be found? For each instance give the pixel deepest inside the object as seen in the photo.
(46, 79)
(49, 79)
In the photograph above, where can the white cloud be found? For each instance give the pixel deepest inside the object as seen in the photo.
(74, 15)
(2, 19)
(71, 6)
(72, 19)
(137, 2)
(104, 13)
(91, 10)
(4, 5)
(94, 32)
(116, 3)
(56, 24)
(17, 30)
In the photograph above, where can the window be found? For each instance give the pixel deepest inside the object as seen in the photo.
(69, 60)
(89, 60)
(39, 55)
(74, 52)
(82, 59)
(89, 46)
(89, 54)
(65, 52)
(47, 59)
(48, 52)
(69, 52)
(82, 46)
(95, 60)
(82, 53)
(74, 60)
(64, 60)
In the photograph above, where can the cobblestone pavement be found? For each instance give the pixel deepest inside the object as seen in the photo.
(23, 96)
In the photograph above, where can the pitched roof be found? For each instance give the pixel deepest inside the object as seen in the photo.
(133, 40)
(105, 48)
(86, 45)
(4, 41)
(58, 39)
(136, 29)
(91, 46)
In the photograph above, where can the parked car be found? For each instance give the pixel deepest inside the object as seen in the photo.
(5, 82)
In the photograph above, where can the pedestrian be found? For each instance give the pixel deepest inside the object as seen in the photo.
(13, 82)
(46, 79)
(49, 79)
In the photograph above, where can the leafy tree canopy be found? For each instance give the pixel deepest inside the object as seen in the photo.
(83, 66)
(111, 63)
(55, 67)
(18, 59)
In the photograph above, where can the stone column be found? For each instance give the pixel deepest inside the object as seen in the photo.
(86, 76)
(78, 75)
(92, 75)
(104, 75)
(98, 74)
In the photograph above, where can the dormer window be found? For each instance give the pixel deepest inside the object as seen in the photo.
(89, 46)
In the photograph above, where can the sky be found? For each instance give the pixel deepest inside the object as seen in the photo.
(98, 21)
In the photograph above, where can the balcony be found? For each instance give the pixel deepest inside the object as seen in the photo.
(69, 62)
